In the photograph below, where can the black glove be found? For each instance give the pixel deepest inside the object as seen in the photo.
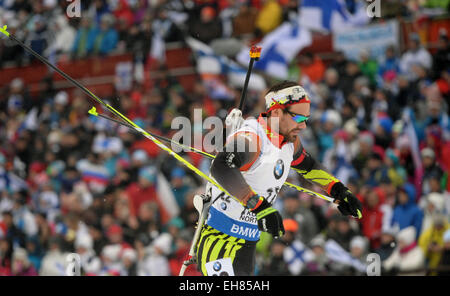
(349, 204)
(269, 220)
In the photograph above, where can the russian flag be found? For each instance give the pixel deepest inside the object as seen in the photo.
(166, 199)
(410, 132)
(96, 176)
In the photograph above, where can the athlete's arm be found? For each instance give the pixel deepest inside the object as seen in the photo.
(314, 172)
(240, 152)
(310, 169)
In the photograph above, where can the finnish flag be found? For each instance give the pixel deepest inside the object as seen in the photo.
(331, 15)
(279, 48)
(336, 253)
(209, 62)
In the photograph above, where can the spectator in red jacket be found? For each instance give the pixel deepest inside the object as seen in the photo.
(312, 66)
(372, 220)
(123, 11)
(142, 191)
(183, 244)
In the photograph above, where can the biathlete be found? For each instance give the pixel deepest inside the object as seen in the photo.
(253, 167)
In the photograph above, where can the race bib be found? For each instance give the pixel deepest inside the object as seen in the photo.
(220, 267)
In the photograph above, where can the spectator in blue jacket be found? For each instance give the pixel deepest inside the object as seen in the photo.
(80, 44)
(97, 9)
(38, 37)
(406, 212)
(388, 66)
(436, 114)
(104, 37)
(331, 120)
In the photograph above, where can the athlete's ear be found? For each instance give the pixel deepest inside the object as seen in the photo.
(277, 113)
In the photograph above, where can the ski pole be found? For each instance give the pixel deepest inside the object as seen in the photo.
(117, 113)
(210, 156)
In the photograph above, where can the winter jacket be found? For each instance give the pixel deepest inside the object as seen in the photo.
(90, 263)
(406, 263)
(372, 220)
(389, 64)
(107, 44)
(65, 36)
(54, 264)
(408, 214)
(29, 271)
(432, 172)
(124, 12)
(432, 235)
(386, 250)
(410, 259)
(269, 17)
(420, 57)
(154, 265)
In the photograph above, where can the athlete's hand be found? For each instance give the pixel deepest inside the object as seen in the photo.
(349, 204)
(269, 219)
(234, 119)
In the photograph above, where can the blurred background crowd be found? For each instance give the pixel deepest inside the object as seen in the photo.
(74, 183)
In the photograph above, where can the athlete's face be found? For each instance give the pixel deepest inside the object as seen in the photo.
(292, 121)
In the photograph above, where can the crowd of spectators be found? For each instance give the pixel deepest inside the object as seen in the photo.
(70, 182)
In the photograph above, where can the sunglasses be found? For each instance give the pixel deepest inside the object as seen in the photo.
(297, 117)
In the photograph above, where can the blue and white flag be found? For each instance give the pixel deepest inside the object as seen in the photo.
(331, 15)
(208, 62)
(9, 182)
(278, 49)
(158, 49)
(30, 122)
(336, 253)
(296, 256)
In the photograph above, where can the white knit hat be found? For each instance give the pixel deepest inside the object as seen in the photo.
(163, 242)
(358, 242)
(112, 252)
(437, 199)
(129, 254)
(407, 235)
(84, 241)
